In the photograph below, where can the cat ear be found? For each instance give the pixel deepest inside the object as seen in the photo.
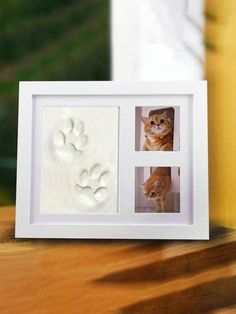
(165, 114)
(145, 119)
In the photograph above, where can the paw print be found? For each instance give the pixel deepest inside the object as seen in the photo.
(69, 139)
(92, 185)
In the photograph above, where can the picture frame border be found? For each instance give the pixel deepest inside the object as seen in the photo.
(200, 227)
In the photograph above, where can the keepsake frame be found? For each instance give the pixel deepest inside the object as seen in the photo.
(191, 157)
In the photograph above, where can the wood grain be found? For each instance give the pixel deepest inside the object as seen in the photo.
(89, 276)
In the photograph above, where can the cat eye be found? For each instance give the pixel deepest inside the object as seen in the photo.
(161, 120)
(152, 122)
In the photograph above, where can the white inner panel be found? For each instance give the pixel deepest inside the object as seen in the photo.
(79, 160)
(123, 107)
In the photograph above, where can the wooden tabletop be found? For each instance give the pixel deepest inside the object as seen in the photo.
(102, 276)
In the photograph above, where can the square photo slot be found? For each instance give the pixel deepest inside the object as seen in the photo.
(157, 128)
(157, 190)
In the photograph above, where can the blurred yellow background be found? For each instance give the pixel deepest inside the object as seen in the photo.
(220, 37)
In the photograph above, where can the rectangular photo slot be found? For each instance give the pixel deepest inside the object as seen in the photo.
(157, 128)
(157, 189)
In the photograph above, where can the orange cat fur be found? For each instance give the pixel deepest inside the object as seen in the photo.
(158, 130)
(157, 186)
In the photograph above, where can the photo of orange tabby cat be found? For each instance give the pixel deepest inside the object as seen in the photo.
(158, 130)
(157, 186)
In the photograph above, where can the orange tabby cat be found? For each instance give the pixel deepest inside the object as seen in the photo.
(157, 186)
(158, 130)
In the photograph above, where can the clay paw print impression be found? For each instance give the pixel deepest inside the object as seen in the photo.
(92, 187)
(69, 139)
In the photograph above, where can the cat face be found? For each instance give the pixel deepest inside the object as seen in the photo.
(152, 189)
(157, 124)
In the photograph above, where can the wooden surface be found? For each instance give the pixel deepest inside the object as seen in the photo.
(91, 276)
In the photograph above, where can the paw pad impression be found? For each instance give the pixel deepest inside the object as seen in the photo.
(69, 139)
(92, 185)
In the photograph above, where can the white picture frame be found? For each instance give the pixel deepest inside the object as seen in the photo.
(192, 222)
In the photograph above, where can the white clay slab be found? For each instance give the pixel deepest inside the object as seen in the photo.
(79, 160)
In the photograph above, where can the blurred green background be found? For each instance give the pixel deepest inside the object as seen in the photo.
(45, 40)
